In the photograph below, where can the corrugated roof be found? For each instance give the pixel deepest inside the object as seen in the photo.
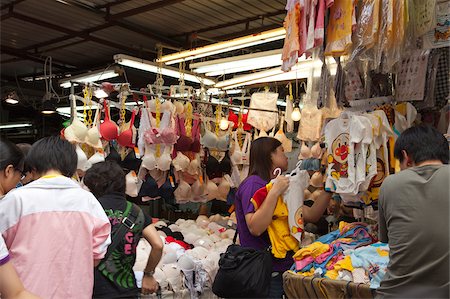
(83, 35)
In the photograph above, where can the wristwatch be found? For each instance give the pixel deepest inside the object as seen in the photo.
(149, 273)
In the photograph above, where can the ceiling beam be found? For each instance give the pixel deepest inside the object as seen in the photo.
(111, 4)
(142, 9)
(27, 56)
(234, 23)
(246, 32)
(71, 33)
(6, 16)
(11, 4)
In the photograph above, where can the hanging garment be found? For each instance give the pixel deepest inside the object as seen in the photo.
(150, 161)
(108, 129)
(288, 115)
(411, 76)
(263, 120)
(188, 143)
(165, 134)
(285, 142)
(240, 159)
(310, 124)
(213, 142)
(235, 119)
(279, 232)
(424, 16)
(354, 89)
(93, 134)
(293, 198)
(339, 29)
(314, 152)
(127, 136)
(291, 46)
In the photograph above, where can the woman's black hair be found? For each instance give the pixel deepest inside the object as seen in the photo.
(10, 154)
(422, 143)
(52, 153)
(105, 178)
(260, 156)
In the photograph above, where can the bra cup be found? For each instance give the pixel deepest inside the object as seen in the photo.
(193, 167)
(305, 152)
(225, 164)
(209, 139)
(165, 160)
(182, 193)
(181, 162)
(316, 151)
(82, 164)
(196, 146)
(222, 143)
(69, 135)
(316, 194)
(149, 161)
(132, 184)
(223, 189)
(167, 106)
(109, 130)
(198, 189)
(93, 137)
(212, 190)
(183, 144)
(79, 130)
(113, 155)
(316, 179)
(96, 158)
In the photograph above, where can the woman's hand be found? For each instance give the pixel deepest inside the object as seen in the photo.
(149, 285)
(280, 185)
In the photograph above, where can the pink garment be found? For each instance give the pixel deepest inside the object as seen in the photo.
(330, 3)
(321, 258)
(319, 31)
(303, 262)
(54, 231)
(303, 29)
(334, 260)
(165, 134)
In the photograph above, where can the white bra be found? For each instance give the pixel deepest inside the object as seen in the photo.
(241, 156)
(182, 163)
(150, 161)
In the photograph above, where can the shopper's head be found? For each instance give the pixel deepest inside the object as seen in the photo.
(105, 178)
(51, 154)
(11, 166)
(267, 154)
(420, 144)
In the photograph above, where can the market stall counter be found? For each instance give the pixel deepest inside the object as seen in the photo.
(298, 286)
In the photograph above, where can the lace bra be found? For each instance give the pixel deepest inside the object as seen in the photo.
(166, 191)
(182, 163)
(165, 134)
(211, 141)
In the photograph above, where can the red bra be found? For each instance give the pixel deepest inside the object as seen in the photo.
(126, 138)
(108, 129)
(186, 143)
(235, 118)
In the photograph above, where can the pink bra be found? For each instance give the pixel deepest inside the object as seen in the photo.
(162, 135)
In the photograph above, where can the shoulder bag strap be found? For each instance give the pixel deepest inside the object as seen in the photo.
(128, 221)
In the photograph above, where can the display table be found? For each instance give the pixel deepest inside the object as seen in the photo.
(298, 286)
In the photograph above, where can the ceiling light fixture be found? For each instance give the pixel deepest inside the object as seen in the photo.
(88, 77)
(239, 63)
(16, 125)
(152, 67)
(48, 107)
(226, 46)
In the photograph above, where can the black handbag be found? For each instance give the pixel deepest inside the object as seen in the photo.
(243, 273)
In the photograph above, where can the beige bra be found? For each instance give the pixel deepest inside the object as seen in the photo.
(315, 151)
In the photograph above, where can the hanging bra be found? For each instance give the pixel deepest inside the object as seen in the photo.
(108, 129)
(214, 191)
(132, 184)
(211, 141)
(285, 142)
(166, 191)
(241, 156)
(77, 130)
(186, 143)
(235, 119)
(130, 162)
(150, 161)
(165, 134)
(315, 151)
(125, 138)
(182, 163)
(186, 192)
(93, 134)
(216, 169)
(83, 163)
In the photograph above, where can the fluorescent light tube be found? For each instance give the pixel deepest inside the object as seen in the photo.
(18, 125)
(152, 67)
(88, 77)
(226, 46)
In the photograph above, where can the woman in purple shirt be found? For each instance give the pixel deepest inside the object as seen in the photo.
(267, 154)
